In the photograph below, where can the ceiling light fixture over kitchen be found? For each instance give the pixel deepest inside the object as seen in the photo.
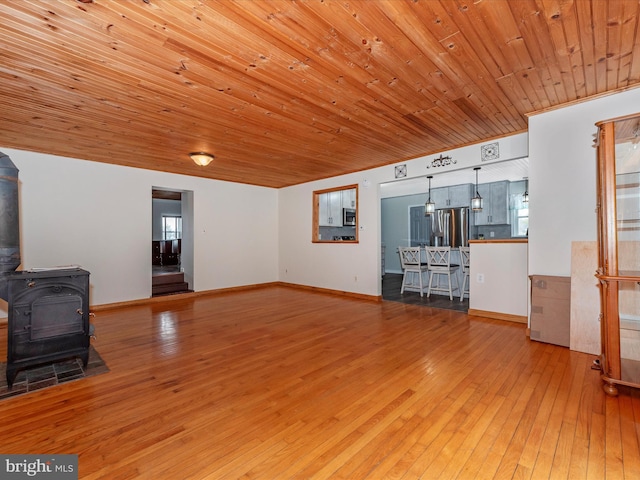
(525, 195)
(429, 207)
(476, 201)
(201, 158)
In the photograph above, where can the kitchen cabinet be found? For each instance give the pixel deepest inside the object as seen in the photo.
(618, 208)
(328, 215)
(495, 208)
(331, 205)
(453, 196)
(349, 198)
(330, 209)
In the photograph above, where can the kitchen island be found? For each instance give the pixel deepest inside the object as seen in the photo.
(498, 280)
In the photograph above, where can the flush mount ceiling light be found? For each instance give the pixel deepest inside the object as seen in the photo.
(476, 201)
(429, 207)
(201, 158)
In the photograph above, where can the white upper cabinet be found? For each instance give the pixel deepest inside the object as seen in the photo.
(330, 221)
(330, 209)
(349, 198)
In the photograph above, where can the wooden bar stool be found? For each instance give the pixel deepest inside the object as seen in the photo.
(439, 263)
(464, 261)
(412, 266)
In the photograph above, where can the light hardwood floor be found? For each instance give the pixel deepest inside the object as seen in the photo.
(281, 383)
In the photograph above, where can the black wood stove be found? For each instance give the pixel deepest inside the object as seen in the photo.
(49, 308)
(48, 318)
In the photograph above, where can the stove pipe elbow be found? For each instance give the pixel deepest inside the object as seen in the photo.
(9, 222)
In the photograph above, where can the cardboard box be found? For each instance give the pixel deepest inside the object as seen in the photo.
(551, 309)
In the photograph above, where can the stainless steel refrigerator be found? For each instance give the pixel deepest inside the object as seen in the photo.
(450, 227)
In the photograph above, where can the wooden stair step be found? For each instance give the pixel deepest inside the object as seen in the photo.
(170, 288)
(167, 278)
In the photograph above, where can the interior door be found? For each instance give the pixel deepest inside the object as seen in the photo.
(419, 227)
(180, 259)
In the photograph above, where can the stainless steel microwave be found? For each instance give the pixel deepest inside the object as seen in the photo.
(348, 216)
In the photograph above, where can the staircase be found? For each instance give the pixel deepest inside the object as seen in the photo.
(168, 283)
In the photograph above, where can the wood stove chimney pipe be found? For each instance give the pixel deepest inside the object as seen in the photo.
(9, 221)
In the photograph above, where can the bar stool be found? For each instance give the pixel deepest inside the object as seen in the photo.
(412, 266)
(464, 263)
(439, 261)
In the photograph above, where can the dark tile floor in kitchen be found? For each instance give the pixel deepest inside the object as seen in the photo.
(391, 283)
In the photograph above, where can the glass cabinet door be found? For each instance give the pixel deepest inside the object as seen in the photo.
(619, 250)
(627, 211)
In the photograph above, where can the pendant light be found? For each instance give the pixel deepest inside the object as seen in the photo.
(429, 207)
(525, 195)
(476, 201)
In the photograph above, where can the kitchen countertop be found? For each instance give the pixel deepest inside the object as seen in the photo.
(501, 240)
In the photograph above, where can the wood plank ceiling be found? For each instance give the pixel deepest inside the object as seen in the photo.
(284, 92)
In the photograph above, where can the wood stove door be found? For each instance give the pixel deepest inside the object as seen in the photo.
(48, 318)
(52, 316)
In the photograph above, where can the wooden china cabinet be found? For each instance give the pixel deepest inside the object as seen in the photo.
(618, 184)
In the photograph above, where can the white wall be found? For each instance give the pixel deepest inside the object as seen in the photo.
(505, 286)
(562, 194)
(562, 179)
(356, 267)
(98, 216)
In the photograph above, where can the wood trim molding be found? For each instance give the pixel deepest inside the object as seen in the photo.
(373, 298)
(578, 101)
(499, 316)
(180, 296)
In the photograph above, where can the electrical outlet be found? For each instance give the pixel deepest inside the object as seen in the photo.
(480, 278)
